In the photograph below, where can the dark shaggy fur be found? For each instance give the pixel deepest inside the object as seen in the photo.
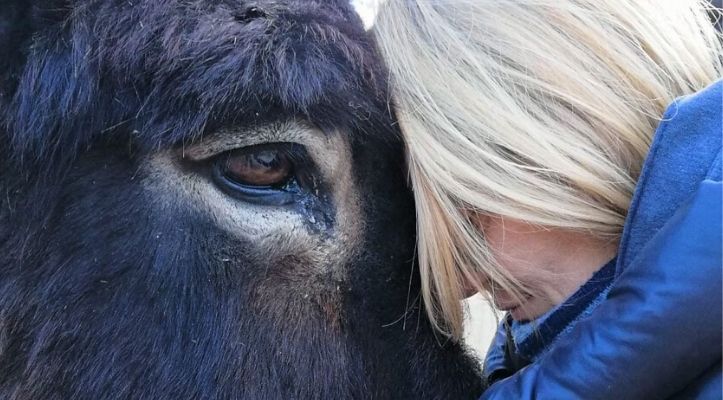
(107, 292)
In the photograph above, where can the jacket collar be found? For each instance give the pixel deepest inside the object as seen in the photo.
(685, 145)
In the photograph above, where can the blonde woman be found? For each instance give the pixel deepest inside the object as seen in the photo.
(557, 169)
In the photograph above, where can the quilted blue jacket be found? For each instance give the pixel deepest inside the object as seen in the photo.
(658, 333)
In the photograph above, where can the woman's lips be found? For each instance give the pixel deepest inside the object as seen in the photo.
(514, 310)
(507, 304)
(507, 307)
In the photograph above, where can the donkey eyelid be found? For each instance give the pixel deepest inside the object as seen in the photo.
(212, 147)
(227, 140)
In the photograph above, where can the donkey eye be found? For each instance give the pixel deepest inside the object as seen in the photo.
(270, 167)
(268, 174)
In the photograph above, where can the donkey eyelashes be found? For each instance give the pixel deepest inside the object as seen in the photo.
(267, 174)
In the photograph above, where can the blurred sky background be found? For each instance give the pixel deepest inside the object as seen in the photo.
(367, 10)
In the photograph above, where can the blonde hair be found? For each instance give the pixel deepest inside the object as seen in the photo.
(538, 110)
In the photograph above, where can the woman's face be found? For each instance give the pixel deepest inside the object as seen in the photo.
(551, 264)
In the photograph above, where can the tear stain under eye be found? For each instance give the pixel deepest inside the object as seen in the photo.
(317, 210)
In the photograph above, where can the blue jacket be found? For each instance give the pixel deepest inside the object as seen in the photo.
(658, 333)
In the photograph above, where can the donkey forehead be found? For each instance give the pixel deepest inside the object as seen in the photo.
(287, 54)
(167, 71)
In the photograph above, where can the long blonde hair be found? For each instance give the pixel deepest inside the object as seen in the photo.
(537, 110)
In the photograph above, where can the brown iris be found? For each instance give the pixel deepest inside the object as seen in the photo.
(259, 167)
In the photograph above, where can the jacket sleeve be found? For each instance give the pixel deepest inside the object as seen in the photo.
(659, 329)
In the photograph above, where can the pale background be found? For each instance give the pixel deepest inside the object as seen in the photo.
(367, 9)
(481, 324)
